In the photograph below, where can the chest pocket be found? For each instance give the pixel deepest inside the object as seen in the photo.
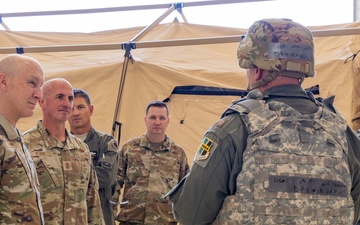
(76, 170)
(137, 166)
(48, 169)
(170, 175)
(14, 164)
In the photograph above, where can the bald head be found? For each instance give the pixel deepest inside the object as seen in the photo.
(14, 64)
(50, 85)
(21, 78)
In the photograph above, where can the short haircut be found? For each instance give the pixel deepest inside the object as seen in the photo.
(83, 94)
(159, 104)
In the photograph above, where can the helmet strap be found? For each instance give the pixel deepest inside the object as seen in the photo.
(292, 74)
(271, 76)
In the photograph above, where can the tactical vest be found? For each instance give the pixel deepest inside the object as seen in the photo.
(294, 169)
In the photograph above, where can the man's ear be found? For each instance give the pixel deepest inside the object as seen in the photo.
(4, 82)
(258, 74)
(41, 102)
(91, 108)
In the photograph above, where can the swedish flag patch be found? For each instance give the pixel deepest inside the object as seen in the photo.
(204, 150)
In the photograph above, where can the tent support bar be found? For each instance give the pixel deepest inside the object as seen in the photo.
(335, 32)
(220, 2)
(123, 8)
(5, 27)
(169, 43)
(120, 91)
(3, 24)
(183, 17)
(184, 42)
(60, 48)
(179, 7)
(154, 24)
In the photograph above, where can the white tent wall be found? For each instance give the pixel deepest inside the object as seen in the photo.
(155, 72)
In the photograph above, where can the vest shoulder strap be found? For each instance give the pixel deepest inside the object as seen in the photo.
(243, 106)
(329, 103)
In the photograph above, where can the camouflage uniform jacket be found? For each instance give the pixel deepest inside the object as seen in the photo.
(105, 156)
(147, 175)
(19, 186)
(213, 177)
(69, 187)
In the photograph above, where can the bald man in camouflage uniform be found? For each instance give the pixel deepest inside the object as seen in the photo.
(69, 187)
(150, 165)
(21, 78)
(279, 156)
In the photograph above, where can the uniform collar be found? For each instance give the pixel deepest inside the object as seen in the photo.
(51, 142)
(166, 146)
(288, 90)
(11, 132)
(90, 134)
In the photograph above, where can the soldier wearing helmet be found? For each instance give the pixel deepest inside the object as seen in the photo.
(279, 156)
(279, 47)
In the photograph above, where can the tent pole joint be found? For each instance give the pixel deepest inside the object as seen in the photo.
(127, 46)
(20, 50)
(177, 5)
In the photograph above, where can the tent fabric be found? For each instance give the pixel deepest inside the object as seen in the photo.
(154, 73)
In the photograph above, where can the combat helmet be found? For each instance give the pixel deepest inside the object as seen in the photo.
(281, 46)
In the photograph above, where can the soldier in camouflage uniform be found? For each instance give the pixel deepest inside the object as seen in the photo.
(21, 78)
(279, 156)
(150, 165)
(69, 187)
(103, 148)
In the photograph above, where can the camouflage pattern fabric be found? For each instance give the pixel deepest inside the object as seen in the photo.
(105, 158)
(69, 186)
(19, 195)
(295, 170)
(147, 174)
(278, 45)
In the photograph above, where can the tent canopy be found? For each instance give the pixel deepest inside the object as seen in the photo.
(154, 73)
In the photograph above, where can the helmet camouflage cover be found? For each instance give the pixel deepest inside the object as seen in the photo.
(278, 45)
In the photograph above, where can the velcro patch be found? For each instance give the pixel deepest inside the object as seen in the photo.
(67, 165)
(204, 149)
(306, 185)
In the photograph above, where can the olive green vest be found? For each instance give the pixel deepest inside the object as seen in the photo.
(294, 170)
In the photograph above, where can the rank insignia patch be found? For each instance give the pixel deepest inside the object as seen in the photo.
(204, 150)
